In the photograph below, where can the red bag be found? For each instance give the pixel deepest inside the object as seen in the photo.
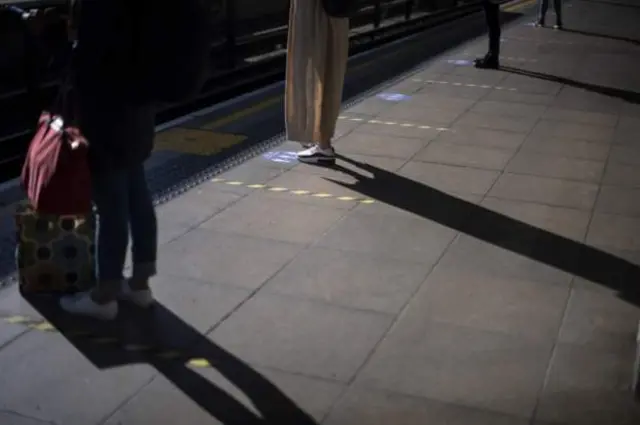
(56, 172)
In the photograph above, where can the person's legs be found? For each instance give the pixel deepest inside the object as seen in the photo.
(492, 15)
(557, 6)
(334, 73)
(111, 198)
(543, 6)
(325, 55)
(144, 239)
(296, 104)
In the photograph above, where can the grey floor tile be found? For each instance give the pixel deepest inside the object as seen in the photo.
(570, 148)
(382, 208)
(560, 129)
(344, 127)
(622, 175)
(406, 87)
(162, 403)
(579, 99)
(474, 78)
(350, 279)
(466, 156)
(247, 173)
(10, 418)
(200, 304)
(471, 93)
(12, 303)
(562, 193)
(599, 319)
(168, 231)
(215, 257)
(622, 154)
(615, 231)
(9, 332)
(371, 107)
(496, 122)
(619, 200)
(546, 165)
(417, 112)
(378, 145)
(581, 117)
(472, 255)
(520, 96)
(440, 101)
(589, 386)
(314, 189)
(46, 377)
(315, 339)
(509, 108)
(520, 308)
(525, 84)
(484, 138)
(459, 365)
(258, 215)
(352, 163)
(423, 130)
(196, 206)
(361, 406)
(417, 240)
(449, 178)
(570, 223)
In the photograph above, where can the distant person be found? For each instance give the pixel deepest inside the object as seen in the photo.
(542, 13)
(318, 47)
(492, 13)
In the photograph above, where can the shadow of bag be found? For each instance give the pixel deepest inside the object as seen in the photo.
(54, 253)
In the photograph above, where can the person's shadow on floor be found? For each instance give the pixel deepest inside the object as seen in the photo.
(497, 229)
(163, 340)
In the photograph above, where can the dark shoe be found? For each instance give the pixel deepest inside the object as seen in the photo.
(488, 62)
(539, 24)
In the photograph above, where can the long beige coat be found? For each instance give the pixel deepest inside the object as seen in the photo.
(316, 64)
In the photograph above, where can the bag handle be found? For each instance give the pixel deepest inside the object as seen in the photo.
(61, 103)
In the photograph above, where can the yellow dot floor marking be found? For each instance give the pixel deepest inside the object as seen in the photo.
(482, 86)
(158, 352)
(196, 142)
(394, 123)
(296, 192)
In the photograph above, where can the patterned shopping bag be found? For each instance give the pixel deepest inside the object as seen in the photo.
(54, 253)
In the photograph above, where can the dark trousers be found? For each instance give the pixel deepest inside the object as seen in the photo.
(492, 13)
(544, 6)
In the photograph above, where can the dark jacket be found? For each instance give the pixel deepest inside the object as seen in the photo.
(120, 130)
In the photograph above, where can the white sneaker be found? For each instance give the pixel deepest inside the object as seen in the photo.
(142, 297)
(82, 304)
(316, 155)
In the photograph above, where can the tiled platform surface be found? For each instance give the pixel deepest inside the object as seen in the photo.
(465, 293)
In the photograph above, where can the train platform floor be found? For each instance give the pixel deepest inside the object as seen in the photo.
(471, 259)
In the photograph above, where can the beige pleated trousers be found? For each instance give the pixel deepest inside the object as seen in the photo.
(318, 47)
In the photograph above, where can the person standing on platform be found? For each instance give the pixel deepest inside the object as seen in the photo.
(317, 52)
(120, 134)
(492, 13)
(542, 13)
